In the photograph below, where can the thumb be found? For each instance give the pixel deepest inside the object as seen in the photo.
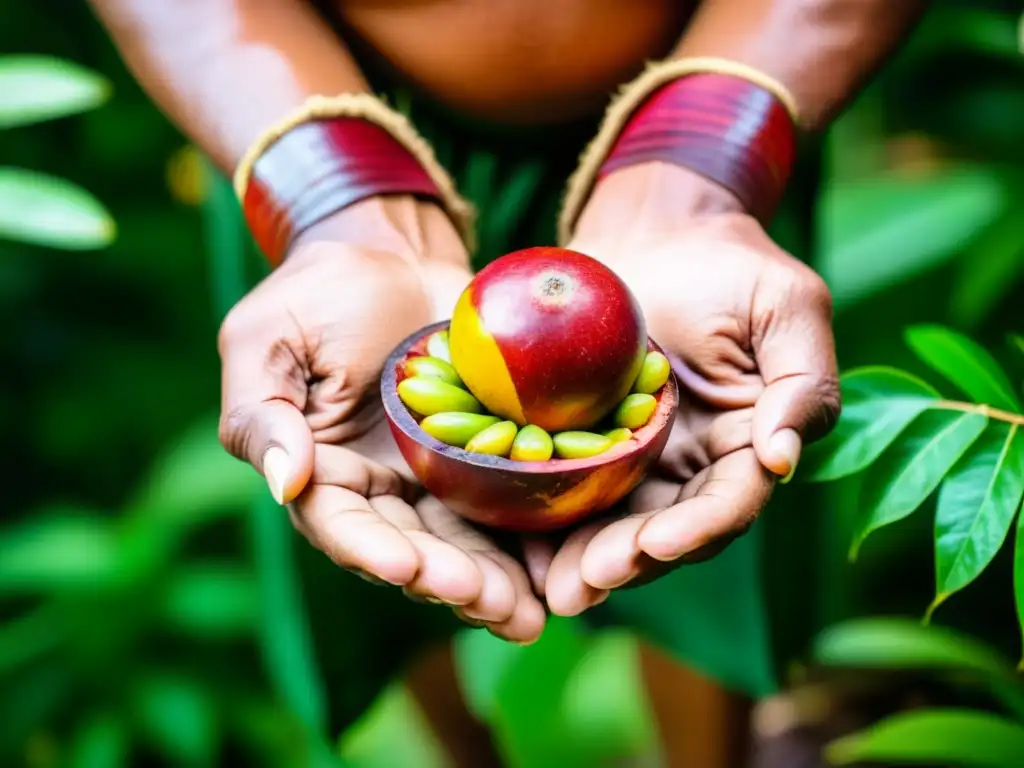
(797, 360)
(262, 421)
(277, 442)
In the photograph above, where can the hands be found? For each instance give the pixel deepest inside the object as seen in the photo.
(302, 356)
(751, 328)
(749, 324)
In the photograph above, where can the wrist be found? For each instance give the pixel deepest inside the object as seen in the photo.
(335, 154)
(403, 225)
(726, 123)
(652, 198)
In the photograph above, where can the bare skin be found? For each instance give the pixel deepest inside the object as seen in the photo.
(759, 332)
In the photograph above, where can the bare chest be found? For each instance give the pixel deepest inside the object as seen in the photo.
(517, 61)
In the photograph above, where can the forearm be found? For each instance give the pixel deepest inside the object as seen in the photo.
(821, 50)
(224, 70)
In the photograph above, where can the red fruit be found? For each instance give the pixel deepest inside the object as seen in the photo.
(548, 336)
(516, 495)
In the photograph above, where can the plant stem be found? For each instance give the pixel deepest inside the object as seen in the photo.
(984, 410)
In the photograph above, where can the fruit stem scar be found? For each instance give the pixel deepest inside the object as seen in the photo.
(554, 287)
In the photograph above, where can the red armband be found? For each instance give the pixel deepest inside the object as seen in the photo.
(320, 167)
(724, 127)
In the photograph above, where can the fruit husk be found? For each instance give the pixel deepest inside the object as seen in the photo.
(516, 495)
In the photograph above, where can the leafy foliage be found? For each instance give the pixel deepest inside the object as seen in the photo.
(959, 736)
(37, 88)
(956, 736)
(572, 699)
(38, 208)
(911, 442)
(146, 582)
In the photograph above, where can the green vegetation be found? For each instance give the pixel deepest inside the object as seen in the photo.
(156, 607)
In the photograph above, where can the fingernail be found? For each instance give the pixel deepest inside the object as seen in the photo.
(787, 444)
(421, 599)
(276, 466)
(475, 623)
(603, 598)
(368, 578)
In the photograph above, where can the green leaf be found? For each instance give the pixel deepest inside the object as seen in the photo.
(529, 719)
(605, 703)
(57, 551)
(959, 736)
(976, 505)
(878, 404)
(1018, 578)
(892, 643)
(36, 88)
(598, 710)
(899, 644)
(879, 232)
(392, 732)
(912, 468)
(45, 210)
(101, 741)
(177, 716)
(964, 363)
(211, 600)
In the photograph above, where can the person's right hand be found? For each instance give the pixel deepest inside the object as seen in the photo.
(302, 355)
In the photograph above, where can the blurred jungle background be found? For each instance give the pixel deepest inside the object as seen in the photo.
(153, 608)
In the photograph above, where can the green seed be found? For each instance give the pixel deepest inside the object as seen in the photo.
(653, 374)
(532, 444)
(580, 445)
(619, 435)
(635, 411)
(456, 428)
(437, 346)
(433, 368)
(496, 440)
(429, 396)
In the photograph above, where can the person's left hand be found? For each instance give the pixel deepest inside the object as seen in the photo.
(750, 327)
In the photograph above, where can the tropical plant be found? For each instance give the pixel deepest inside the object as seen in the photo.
(987, 736)
(34, 207)
(910, 441)
(170, 623)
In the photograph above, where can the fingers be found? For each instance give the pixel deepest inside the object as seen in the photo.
(525, 622)
(430, 552)
(605, 555)
(796, 355)
(272, 436)
(732, 494)
(566, 592)
(732, 395)
(538, 552)
(384, 538)
(505, 602)
(666, 522)
(343, 525)
(264, 392)
(614, 557)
